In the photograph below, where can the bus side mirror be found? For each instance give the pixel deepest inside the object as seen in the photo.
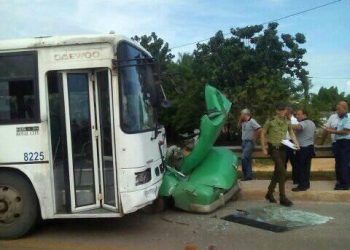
(165, 104)
(163, 101)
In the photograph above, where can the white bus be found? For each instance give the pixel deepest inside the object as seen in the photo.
(78, 130)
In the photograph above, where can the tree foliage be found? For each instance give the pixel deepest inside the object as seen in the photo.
(158, 49)
(254, 66)
(327, 98)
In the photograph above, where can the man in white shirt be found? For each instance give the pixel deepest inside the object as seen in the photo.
(332, 123)
(342, 146)
(290, 153)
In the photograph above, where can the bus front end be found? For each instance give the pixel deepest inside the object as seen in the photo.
(140, 139)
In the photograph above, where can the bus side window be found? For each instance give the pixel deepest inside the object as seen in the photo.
(19, 100)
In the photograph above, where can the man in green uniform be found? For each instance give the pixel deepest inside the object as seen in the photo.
(275, 131)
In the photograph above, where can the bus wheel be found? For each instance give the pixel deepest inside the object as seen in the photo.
(18, 206)
(158, 205)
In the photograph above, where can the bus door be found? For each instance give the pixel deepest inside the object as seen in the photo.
(89, 137)
(104, 107)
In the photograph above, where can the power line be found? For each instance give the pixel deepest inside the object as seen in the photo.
(274, 20)
(330, 78)
(303, 11)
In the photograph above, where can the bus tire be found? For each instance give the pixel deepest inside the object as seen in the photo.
(158, 205)
(19, 208)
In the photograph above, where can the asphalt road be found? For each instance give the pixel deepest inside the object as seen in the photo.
(177, 230)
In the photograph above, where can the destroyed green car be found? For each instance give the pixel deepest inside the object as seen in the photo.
(207, 177)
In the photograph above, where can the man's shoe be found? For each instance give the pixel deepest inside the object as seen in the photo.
(340, 188)
(286, 202)
(270, 198)
(299, 189)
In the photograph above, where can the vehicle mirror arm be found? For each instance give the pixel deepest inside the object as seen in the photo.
(156, 132)
(156, 129)
(165, 103)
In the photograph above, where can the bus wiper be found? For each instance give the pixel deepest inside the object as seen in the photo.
(133, 62)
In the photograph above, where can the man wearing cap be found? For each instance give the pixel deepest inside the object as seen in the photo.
(342, 137)
(273, 132)
(250, 131)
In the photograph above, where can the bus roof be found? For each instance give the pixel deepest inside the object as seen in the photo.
(55, 41)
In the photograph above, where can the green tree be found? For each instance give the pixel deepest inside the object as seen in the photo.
(327, 98)
(158, 49)
(254, 66)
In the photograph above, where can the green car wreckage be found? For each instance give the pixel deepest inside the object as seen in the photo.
(207, 177)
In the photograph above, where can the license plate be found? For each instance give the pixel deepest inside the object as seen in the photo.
(151, 193)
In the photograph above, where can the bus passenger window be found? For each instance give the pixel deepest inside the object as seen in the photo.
(16, 100)
(19, 101)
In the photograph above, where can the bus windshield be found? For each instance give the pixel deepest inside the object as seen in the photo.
(137, 89)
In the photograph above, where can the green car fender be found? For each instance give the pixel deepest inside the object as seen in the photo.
(218, 169)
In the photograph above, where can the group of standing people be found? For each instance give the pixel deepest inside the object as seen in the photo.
(287, 138)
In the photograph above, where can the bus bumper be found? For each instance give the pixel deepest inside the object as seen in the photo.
(132, 201)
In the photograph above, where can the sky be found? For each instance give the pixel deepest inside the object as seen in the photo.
(178, 22)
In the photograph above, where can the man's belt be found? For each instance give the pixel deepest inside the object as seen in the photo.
(339, 140)
(276, 146)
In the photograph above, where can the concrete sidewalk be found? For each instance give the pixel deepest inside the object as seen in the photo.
(317, 164)
(319, 191)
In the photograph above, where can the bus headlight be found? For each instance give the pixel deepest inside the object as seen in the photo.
(143, 177)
